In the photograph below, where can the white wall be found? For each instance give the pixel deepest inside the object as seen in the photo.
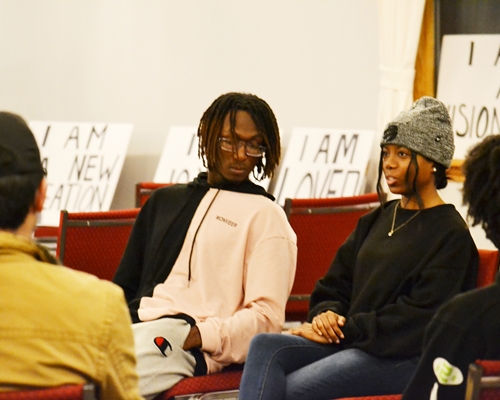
(158, 63)
(453, 194)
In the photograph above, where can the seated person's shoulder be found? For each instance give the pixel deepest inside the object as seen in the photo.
(450, 214)
(88, 288)
(473, 303)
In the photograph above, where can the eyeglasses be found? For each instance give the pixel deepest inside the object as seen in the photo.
(251, 150)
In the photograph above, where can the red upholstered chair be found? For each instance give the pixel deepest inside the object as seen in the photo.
(190, 388)
(46, 232)
(47, 236)
(483, 380)
(94, 242)
(488, 267)
(84, 391)
(143, 191)
(322, 226)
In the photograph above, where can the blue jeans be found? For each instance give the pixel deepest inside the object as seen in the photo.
(282, 366)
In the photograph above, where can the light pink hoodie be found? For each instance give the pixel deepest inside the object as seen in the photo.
(242, 268)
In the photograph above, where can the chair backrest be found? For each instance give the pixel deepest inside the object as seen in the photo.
(84, 391)
(94, 242)
(488, 267)
(143, 191)
(483, 380)
(322, 226)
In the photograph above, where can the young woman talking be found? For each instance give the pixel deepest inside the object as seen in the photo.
(368, 314)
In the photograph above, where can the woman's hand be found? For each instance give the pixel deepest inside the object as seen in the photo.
(306, 330)
(328, 325)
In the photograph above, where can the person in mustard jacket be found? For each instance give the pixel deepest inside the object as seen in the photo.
(57, 326)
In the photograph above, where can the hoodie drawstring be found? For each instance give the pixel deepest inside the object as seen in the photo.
(196, 233)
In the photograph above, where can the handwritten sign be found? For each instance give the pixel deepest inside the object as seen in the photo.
(324, 163)
(83, 163)
(179, 161)
(469, 85)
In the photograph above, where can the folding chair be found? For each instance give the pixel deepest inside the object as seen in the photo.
(143, 191)
(322, 226)
(84, 391)
(483, 380)
(227, 381)
(94, 242)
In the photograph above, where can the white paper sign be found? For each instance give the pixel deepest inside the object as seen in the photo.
(179, 162)
(323, 163)
(469, 85)
(83, 162)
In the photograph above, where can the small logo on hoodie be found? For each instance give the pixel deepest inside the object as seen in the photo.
(163, 345)
(226, 221)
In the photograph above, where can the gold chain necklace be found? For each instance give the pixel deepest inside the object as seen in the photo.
(391, 232)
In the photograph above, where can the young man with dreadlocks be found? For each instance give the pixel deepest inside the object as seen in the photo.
(210, 264)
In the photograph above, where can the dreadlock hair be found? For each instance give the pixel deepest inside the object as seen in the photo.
(481, 190)
(440, 179)
(212, 121)
(17, 194)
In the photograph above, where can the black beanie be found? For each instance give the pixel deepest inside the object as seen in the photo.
(19, 153)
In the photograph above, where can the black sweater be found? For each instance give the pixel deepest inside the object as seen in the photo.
(389, 288)
(465, 329)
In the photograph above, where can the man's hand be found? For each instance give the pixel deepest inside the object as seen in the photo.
(193, 339)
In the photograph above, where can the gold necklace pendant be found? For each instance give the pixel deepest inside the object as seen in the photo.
(391, 232)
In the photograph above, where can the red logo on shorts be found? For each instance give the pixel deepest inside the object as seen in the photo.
(163, 345)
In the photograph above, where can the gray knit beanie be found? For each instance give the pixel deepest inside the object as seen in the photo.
(425, 129)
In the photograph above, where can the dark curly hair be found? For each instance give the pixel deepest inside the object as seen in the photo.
(17, 194)
(481, 190)
(212, 121)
